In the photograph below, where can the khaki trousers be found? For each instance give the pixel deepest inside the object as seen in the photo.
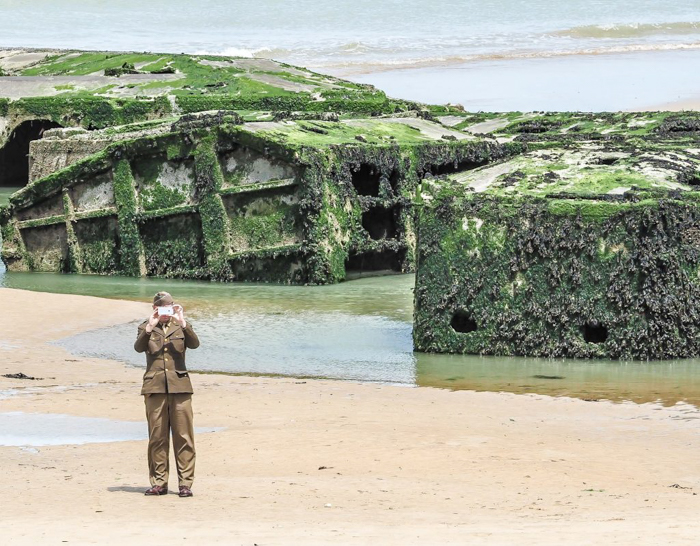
(166, 412)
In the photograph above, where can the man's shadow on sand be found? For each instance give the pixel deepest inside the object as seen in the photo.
(127, 489)
(132, 489)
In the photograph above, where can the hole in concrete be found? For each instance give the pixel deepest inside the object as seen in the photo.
(463, 322)
(594, 333)
(387, 260)
(689, 176)
(455, 167)
(380, 223)
(366, 180)
(14, 163)
(394, 180)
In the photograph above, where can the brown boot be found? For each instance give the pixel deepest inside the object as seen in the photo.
(157, 490)
(185, 491)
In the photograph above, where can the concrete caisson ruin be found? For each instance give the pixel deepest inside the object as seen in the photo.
(210, 196)
(47, 89)
(584, 250)
(212, 167)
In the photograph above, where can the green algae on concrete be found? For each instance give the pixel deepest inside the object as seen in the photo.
(561, 254)
(42, 90)
(565, 128)
(211, 196)
(102, 89)
(591, 170)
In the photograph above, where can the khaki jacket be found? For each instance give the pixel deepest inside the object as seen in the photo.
(165, 357)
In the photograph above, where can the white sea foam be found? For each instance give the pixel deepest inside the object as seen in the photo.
(350, 66)
(237, 52)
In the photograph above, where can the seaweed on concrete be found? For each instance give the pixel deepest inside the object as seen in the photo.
(565, 266)
(300, 201)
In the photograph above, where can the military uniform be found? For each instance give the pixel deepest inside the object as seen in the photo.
(167, 391)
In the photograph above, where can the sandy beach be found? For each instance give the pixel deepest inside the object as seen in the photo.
(692, 104)
(320, 462)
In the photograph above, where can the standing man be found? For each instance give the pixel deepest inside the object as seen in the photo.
(167, 391)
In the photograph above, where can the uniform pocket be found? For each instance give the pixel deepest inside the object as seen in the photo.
(178, 344)
(149, 375)
(182, 374)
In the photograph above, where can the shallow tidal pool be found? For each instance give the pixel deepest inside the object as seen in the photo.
(50, 429)
(357, 330)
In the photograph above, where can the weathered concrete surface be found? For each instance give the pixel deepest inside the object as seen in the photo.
(38, 73)
(44, 89)
(59, 148)
(560, 234)
(211, 196)
(426, 129)
(17, 87)
(590, 170)
(585, 252)
(15, 59)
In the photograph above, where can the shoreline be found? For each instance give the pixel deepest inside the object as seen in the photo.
(397, 466)
(587, 83)
(559, 79)
(681, 105)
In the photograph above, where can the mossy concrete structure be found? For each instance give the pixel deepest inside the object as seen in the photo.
(45, 89)
(582, 249)
(287, 176)
(211, 196)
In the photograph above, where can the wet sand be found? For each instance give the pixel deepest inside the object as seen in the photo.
(321, 462)
(590, 83)
(677, 106)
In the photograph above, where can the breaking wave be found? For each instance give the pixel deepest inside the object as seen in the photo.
(348, 67)
(357, 56)
(371, 57)
(241, 52)
(634, 30)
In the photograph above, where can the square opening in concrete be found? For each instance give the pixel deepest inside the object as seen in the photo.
(381, 222)
(381, 260)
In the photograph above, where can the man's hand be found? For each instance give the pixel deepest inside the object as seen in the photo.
(152, 321)
(180, 314)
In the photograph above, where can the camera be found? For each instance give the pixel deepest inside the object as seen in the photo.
(166, 311)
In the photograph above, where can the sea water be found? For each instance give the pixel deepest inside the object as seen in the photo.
(5, 193)
(18, 428)
(484, 54)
